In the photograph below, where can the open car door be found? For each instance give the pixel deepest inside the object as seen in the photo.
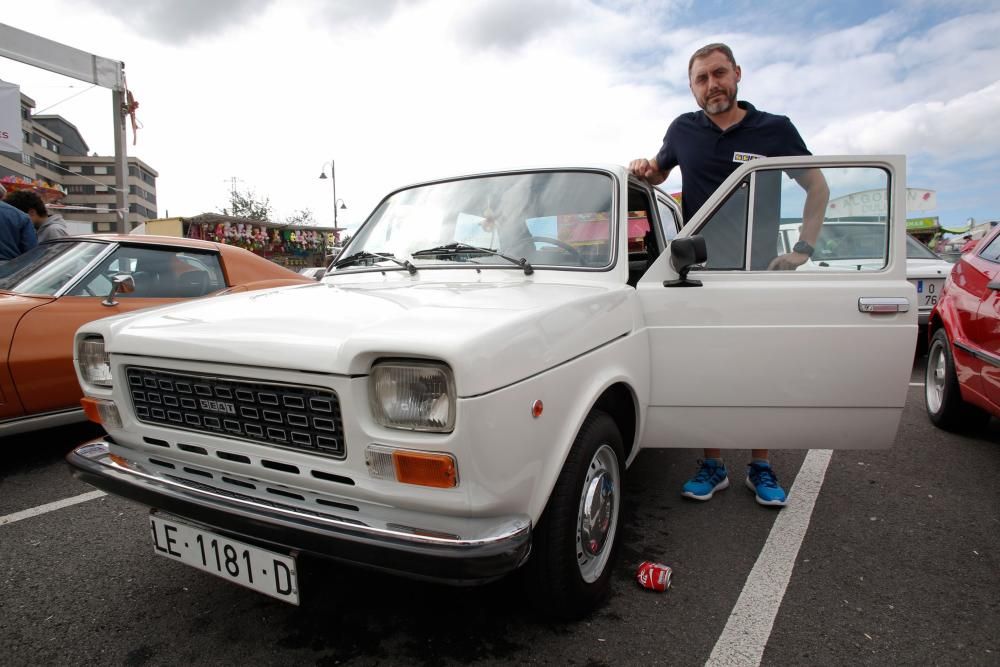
(817, 357)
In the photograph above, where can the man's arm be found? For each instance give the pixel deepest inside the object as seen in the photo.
(648, 170)
(817, 197)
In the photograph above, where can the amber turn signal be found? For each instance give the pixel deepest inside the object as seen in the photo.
(435, 470)
(101, 412)
(90, 409)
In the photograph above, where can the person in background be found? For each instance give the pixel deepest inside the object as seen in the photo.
(969, 243)
(46, 226)
(17, 234)
(708, 145)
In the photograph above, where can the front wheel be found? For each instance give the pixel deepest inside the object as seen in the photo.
(942, 394)
(575, 542)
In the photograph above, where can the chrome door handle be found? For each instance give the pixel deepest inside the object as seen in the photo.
(883, 304)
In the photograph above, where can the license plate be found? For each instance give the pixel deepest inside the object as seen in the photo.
(264, 571)
(928, 292)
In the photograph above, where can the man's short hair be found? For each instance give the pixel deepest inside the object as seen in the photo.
(27, 201)
(709, 49)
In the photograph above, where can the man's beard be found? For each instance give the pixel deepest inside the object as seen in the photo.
(720, 106)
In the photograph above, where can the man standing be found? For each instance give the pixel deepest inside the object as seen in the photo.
(708, 145)
(17, 235)
(46, 226)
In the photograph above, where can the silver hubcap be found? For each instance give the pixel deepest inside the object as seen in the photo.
(597, 519)
(934, 381)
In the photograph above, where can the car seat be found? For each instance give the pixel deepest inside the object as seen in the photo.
(192, 283)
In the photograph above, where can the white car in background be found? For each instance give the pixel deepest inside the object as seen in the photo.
(862, 244)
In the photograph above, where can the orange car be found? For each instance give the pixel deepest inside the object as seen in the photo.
(48, 292)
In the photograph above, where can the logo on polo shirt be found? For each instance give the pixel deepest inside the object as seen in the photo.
(745, 157)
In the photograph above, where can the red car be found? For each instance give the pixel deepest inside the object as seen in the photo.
(963, 359)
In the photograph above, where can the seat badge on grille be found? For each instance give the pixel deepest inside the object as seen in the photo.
(218, 406)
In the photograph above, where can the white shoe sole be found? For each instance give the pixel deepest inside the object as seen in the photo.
(761, 501)
(724, 484)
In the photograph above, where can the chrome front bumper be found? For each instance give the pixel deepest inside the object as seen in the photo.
(424, 556)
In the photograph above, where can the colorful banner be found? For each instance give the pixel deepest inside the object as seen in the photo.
(11, 133)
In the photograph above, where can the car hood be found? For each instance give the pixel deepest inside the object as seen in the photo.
(491, 334)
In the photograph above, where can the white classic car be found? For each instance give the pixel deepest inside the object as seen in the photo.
(459, 397)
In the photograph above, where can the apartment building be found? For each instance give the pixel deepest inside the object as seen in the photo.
(55, 151)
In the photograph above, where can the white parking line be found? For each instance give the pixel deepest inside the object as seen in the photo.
(50, 507)
(746, 633)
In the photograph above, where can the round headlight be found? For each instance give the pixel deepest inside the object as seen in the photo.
(94, 361)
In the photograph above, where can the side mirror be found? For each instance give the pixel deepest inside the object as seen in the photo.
(686, 253)
(123, 283)
(319, 274)
(995, 285)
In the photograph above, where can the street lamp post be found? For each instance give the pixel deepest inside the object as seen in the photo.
(333, 183)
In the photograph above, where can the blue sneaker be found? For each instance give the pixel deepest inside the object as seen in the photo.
(711, 477)
(764, 483)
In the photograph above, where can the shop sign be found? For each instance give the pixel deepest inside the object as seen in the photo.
(922, 223)
(11, 133)
(875, 202)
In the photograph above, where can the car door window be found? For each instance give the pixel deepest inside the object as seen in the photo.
(992, 251)
(725, 232)
(853, 235)
(854, 232)
(157, 273)
(670, 223)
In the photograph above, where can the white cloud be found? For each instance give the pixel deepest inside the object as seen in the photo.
(963, 128)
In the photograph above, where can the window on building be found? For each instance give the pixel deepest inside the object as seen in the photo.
(87, 169)
(74, 169)
(100, 170)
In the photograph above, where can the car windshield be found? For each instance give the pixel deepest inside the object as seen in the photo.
(917, 250)
(560, 219)
(47, 268)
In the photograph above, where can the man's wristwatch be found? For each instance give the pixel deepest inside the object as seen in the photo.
(803, 248)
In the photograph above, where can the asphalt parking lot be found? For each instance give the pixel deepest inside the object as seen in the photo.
(898, 563)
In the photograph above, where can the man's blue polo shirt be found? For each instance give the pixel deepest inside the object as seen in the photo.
(707, 155)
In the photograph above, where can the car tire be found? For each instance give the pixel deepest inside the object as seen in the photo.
(575, 543)
(942, 395)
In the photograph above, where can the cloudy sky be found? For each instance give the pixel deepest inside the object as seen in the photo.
(397, 91)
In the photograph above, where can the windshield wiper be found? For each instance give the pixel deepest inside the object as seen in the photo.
(454, 248)
(364, 254)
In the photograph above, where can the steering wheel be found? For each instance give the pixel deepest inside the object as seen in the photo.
(562, 245)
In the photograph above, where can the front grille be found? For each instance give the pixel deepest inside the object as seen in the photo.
(290, 416)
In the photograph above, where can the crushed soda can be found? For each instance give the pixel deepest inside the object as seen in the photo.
(654, 576)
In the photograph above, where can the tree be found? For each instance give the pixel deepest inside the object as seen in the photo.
(301, 217)
(245, 204)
